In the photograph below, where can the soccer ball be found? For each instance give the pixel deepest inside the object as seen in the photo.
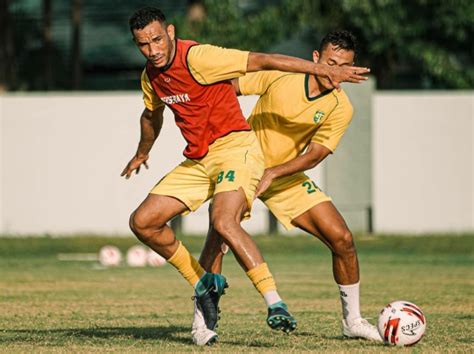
(401, 323)
(154, 259)
(137, 256)
(110, 256)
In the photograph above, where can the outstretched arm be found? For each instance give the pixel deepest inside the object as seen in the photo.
(150, 127)
(315, 154)
(335, 74)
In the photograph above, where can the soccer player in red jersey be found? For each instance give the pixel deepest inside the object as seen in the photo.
(223, 162)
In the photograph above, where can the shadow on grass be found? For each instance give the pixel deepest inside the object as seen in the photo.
(160, 334)
(339, 339)
(273, 341)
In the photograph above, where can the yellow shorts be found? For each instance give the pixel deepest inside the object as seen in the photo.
(233, 161)
(289, 197)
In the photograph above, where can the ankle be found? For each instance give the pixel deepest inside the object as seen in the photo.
(204, 283)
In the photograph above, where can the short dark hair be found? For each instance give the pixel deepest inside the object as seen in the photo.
(144, 16)
(340, 39)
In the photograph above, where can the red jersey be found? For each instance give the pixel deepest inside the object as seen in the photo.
(203, 112)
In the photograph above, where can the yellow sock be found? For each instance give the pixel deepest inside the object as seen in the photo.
(187, 265)
(262, 279)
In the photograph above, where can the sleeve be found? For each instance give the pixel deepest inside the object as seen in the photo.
(257, 83)
(151, 100)
(209, 64)
(333, 128)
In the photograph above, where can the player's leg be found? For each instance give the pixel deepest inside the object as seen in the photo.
(235, 164)
(149, 223)
(213, 251)
(211, 260)
(183, 189)
(326, 223)
(228, 210)
(297, 201)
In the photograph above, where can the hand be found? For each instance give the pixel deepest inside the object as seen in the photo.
(134, 165)
(337, 74)
(265, 182)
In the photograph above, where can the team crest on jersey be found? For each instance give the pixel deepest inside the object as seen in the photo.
(318, 116)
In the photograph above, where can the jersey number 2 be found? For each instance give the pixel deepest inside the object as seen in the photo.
(311, 187)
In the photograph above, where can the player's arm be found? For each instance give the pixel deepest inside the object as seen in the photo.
(235, 84)
(209, 64)
(314, 155)
(335, 74)
(150, 127)
(256, 83)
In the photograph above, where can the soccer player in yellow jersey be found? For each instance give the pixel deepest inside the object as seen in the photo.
(299, 122)
(223, 161)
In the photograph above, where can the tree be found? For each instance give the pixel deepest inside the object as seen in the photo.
(226, 24)
(47, 45)
(7, 62)
(407, 43)
(76, 44)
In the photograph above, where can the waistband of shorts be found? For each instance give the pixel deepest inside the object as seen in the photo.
(234, 139)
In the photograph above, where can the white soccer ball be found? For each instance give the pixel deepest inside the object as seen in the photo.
(110, 256)
(401, 323)
(154, 259)
(137, 256)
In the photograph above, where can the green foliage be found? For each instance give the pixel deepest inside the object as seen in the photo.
(408, 44)
(426, 41)
(227, 25)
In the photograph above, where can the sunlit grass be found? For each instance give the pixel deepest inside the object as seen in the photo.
(49, 305)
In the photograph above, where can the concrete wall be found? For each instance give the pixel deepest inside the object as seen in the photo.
(423, 160)
(61, 156)
(348, 172)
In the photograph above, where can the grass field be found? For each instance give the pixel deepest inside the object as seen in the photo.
(53, 306)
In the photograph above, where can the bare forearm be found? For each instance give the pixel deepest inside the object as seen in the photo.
(299, 164)
(259, 61)
(334, 74)
(150, 127)
(314, 155)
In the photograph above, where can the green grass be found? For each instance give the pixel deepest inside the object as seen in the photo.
(50, 306)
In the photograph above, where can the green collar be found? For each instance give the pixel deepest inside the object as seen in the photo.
(306, 90)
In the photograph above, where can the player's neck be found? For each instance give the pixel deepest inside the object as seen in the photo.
(314, 87)
(174, 44)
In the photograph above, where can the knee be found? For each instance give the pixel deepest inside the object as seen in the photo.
(344, 243)
(142, 225)
(224, 226)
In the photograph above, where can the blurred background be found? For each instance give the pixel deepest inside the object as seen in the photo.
(86, 45)
(70, 101)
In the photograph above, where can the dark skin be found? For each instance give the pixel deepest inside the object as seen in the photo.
(323, 220)
(156, 42)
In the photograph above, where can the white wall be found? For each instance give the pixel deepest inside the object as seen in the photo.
(60, 160)
(423, 158)
(61, 156)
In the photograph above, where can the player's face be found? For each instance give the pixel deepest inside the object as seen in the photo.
(156, 43)
(333, 55)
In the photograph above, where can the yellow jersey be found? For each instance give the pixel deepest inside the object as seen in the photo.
(285, 119)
